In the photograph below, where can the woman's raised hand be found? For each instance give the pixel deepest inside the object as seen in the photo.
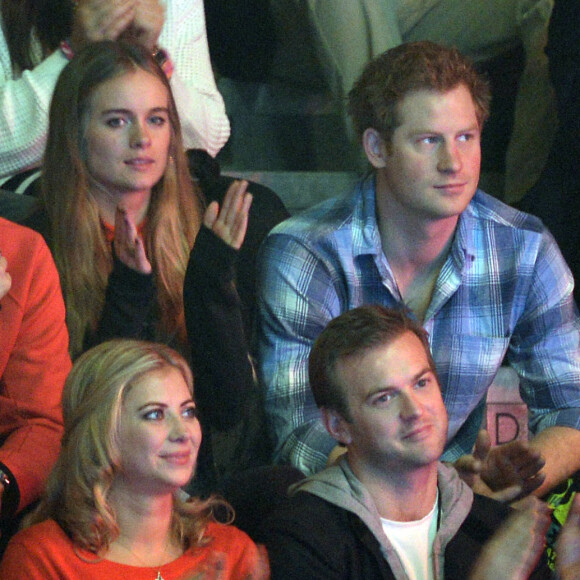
(128, 243)
(230, 224)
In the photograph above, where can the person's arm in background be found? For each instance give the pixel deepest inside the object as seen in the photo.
(34, 363)
(296, 299)
(560, 446)
(213, 312)
(25, 98)
(545, 352)
(24, 105)
(201, 108)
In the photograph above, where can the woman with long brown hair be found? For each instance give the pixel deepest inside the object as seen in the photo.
(115, 174)
(123, 216)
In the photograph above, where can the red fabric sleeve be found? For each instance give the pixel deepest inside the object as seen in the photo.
(34, 361)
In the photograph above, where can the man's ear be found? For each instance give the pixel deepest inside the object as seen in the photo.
(375, 148)
(336, 425)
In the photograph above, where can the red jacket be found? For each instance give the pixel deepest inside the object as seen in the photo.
(34, 362)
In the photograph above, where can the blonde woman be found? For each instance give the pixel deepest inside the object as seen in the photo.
(112, 506)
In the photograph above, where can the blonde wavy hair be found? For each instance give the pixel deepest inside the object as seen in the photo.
(82, 254)
(78, 487)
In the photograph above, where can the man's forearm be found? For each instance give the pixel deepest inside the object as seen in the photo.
(560, 447)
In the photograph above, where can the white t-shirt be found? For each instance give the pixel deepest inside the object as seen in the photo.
(413, 542)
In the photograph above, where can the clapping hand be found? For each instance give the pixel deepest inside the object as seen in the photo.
(506, 472)
(128, 243)
(230, 224)
(515, 549)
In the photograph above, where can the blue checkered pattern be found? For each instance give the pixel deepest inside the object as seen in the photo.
(504, 292)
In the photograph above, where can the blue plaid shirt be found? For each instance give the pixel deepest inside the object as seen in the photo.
(503, 292)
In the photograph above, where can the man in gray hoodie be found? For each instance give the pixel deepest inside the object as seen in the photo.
(389, 508)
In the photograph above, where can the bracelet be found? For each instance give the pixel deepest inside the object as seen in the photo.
(66, 49)
(162, 58)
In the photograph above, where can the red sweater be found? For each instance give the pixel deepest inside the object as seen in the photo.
(44, 551)
(34, 361)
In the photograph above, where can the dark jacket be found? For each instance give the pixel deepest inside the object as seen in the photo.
(332, 530)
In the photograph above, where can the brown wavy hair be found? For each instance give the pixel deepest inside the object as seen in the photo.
(78, 487)
(82, 254)
(409, 67)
